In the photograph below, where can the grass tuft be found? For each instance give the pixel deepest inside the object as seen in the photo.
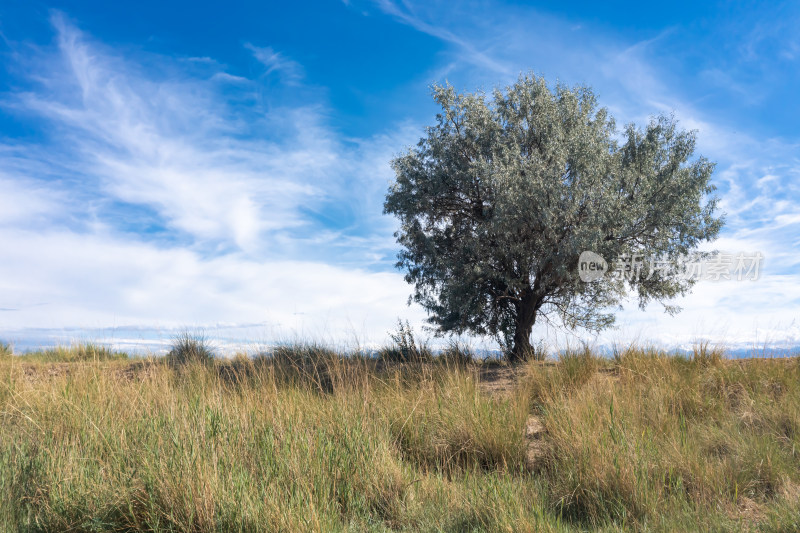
(458, 354)
(188, 348)
(704, 354)
(405, 348)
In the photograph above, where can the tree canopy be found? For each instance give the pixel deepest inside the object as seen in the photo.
(502, 195)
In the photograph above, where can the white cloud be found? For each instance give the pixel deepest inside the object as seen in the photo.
(235, 193)
(101, 281)
(25, 201)
(172, 145)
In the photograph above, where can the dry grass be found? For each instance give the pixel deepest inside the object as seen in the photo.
(665, 442)
(307, 440)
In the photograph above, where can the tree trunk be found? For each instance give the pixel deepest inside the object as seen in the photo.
(526, 317)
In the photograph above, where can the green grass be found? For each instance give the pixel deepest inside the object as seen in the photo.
(304, 439)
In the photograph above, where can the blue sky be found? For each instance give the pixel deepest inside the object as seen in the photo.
(174, 164)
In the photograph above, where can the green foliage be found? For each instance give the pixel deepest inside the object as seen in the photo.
(6, 350)
(501, 197)
(189, 348)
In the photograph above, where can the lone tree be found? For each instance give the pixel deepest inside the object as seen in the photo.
(500, 198)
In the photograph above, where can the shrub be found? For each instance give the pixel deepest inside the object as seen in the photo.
(405, 347)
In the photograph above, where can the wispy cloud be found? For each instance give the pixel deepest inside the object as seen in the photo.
(173, 145)
(468, 48)
(157, 198)
(274, 61)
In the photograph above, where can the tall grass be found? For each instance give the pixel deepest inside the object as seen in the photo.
(305, 439)
(78, 352)
(254, 445)
(671, 442)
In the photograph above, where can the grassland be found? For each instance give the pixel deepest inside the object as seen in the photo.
(309, 440)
